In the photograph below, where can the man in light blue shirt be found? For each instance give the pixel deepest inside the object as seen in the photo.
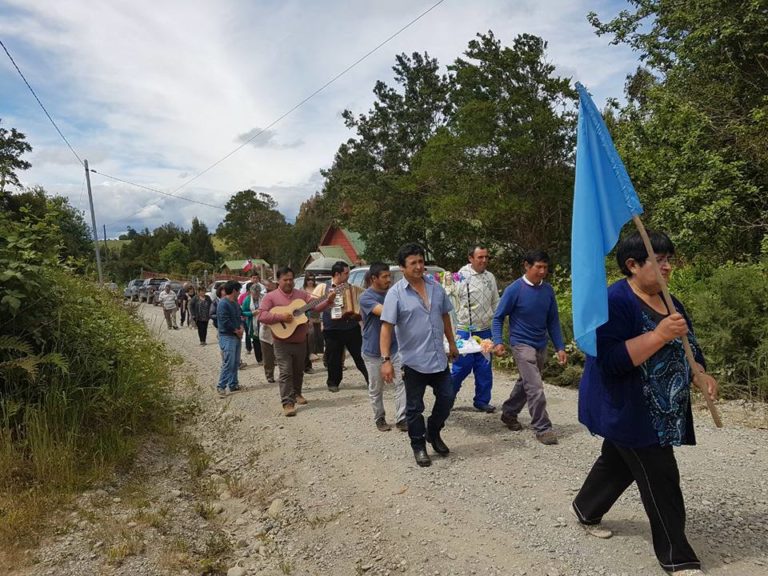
(417, 309)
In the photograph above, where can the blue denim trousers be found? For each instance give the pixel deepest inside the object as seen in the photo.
(478, 364)
(415, 385)
(230, 354)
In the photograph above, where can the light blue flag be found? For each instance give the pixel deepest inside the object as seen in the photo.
(603, 201)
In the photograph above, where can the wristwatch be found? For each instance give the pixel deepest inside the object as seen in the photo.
(386, 359)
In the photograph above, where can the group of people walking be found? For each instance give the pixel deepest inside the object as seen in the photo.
(635, 393)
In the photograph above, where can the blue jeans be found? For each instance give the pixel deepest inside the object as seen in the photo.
(230, 352)
(415, 385)
(467, 363)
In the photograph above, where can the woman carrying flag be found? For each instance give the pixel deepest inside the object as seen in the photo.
(635, 393)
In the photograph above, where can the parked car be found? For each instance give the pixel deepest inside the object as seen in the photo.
(175, 288)
(131, 291)
(357, 276)
(215, 286)
(149, 287)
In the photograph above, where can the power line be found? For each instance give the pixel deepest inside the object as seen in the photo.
(41, 104)
(115, 178)
(312, 95)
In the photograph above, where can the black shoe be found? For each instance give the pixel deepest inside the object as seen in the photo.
(402, 425)
(422, 458)
(271, 380)
(437, 444)
(487, 408)
(333, 388)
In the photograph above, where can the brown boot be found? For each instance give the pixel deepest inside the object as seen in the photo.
(289, 410)
(511, 422)
(548, 438)
(300, 399)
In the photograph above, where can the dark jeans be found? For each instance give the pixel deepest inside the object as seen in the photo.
(202, 330)
(335, 342)
(658, 481)
(256, 345)
(415, 385)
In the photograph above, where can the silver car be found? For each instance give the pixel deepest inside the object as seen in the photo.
(131, 291)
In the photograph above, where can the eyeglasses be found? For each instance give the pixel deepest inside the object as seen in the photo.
(668, 260)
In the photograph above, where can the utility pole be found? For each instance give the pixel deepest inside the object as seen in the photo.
(106, 248)
(93, 221)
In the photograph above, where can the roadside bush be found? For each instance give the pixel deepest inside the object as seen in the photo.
(730, 315)
(81, 380)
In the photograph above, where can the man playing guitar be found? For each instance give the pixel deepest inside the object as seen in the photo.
(291, 348)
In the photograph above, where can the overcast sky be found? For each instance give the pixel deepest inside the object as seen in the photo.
(156, 91)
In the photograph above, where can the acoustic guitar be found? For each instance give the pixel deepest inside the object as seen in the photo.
(298, 308)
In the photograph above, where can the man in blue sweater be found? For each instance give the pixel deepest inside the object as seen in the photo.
(230, 326)
(532, 309)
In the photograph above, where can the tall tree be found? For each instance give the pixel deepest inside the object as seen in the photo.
(312, 220)
(174, 257)
(502, 171)
(13, 145)
(200, 244)
(694, 129)
(368, 182)
(254, 226)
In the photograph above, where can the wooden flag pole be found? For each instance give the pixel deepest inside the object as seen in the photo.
(698, 380)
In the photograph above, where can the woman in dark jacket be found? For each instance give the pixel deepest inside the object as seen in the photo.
(636, 395)
(200, 309)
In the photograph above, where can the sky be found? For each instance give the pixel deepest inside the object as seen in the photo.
(156, 92)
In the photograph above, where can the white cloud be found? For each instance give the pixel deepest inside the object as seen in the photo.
(155, 92)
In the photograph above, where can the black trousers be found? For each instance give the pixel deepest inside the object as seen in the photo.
(658, 480)
(415, 385)
(255, 345)
(202, 330)
(335, 342)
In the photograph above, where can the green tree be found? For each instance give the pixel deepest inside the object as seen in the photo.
(313, 219)
(75, 236)
(694, 129)
(175, 256)
(13, 145)
(200, 244)
(501, 171)
(254, 226)
(368, 183)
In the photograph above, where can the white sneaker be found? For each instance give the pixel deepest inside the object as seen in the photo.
(690, 572)
(595, 530)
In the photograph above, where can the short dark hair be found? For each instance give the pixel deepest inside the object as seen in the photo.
(633, 247)
(219, 290)
(231, 286)
(284, 270)
(471, 251)
(339, 267)
(410, 249)
(533, 256)
(377, 268)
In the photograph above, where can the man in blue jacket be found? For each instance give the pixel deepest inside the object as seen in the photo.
(532, 309)
(230, 326)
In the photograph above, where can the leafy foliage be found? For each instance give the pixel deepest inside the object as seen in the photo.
(694, 129)
(253, 225)
(478, 154)
(13, 145)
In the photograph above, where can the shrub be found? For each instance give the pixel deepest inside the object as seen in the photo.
(81, 379)
(730, 316)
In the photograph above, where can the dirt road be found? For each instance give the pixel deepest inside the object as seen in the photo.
(325, 493)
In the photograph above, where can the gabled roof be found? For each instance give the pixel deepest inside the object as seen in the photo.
(335, 251)
(356, 240)
(239, 264)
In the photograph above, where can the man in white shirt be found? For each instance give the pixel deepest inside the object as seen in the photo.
(167, 299)
(478, 297)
